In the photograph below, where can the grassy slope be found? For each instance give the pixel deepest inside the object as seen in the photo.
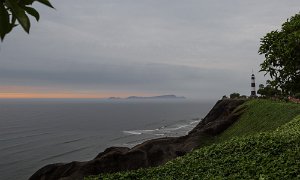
(261, 116)
(272, 153)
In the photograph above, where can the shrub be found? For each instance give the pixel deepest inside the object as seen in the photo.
(234, 95)
(297, 95)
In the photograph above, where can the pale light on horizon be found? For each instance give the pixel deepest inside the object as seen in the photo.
(65, 95)
(27, 92)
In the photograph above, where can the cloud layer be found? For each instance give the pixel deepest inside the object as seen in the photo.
(199, 49)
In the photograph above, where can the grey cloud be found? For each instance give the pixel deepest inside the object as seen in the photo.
(145, 75)
(161, 46)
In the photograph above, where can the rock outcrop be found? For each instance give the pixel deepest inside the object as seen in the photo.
(150, 153)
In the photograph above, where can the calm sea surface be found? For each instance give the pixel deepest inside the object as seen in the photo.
(36, 133)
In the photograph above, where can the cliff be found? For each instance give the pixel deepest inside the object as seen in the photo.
(150, 153)
(263, 144)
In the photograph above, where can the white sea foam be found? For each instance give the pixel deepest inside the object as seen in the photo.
(194, 122)
(132, 132)
(176, 128)
(166, 129)
(139, 132)
(159, 134)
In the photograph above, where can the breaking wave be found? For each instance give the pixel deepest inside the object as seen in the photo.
(167, 130)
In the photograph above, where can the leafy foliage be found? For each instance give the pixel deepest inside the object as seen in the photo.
(282, 56)
(268, 91)
(263, 151)
(234, 95)
(297, 95)
(14, 12)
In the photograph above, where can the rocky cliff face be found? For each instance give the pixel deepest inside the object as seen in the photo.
(150, 153)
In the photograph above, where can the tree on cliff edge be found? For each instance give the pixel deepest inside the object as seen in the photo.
(14, 12)
(282, 56)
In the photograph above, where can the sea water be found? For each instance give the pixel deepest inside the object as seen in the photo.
(34, 133)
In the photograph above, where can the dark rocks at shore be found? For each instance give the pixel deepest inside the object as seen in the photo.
(150, 153)
(220, 117)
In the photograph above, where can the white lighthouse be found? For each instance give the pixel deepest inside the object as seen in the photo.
(253, 91)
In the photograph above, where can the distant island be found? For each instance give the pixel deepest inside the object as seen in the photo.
(150, 97)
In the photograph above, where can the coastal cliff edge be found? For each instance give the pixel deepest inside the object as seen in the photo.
(151, 153)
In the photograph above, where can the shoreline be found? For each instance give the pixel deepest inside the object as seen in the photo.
(150, 153)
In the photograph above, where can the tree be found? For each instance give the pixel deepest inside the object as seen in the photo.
(261, 86)
(282, 56)
(268, 91)
(297, 95)
(14, 12)
(261, 90)
(234, 95)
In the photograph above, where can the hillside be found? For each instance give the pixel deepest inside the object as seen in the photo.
(261, 116)
(263, 144)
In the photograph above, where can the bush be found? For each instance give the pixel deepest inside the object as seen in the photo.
(234, 95)
(244, 96)
(297, 95)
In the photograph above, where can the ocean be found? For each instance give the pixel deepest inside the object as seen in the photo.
(34, 133)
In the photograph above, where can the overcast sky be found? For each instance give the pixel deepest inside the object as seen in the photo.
(96, 48)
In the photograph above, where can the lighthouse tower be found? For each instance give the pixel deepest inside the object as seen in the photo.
(253, 91)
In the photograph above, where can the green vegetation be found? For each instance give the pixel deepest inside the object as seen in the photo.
(282, 56)
(13, 11)
(234, 95)
(260, 116)
(268, 91)
(263, 144)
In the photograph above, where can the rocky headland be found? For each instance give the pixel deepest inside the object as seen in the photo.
(150, 153)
